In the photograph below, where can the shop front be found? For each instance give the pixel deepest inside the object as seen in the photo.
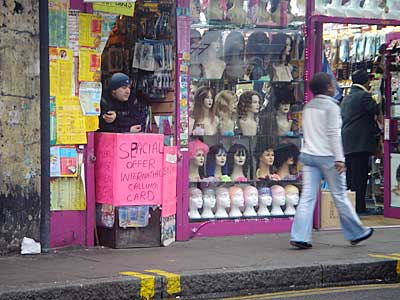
(364, 38)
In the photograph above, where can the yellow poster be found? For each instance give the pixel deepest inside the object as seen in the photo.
(89, 65)
(61, 71)
(125, 9)
(65, 62)
(67, 194)
(70, 121)
(91, 123)
(89, 30)
(53, 68)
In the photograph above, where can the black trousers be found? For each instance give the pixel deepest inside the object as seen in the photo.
(357, 165)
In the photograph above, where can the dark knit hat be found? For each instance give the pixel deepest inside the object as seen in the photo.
(118, 80)
(360, 77)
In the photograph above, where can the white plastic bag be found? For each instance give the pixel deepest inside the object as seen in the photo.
(29, 246)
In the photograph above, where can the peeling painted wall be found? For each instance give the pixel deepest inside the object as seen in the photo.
(19, 123)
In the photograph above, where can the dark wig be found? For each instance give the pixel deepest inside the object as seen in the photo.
(283, 152)
(277, 48)
(211, 160)
(238, 149)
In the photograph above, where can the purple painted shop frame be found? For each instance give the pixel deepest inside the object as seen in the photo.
(313, 64)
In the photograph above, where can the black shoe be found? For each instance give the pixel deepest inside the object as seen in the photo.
(355, 242)
(301, 245)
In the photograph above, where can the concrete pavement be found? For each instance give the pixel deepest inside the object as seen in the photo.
(207, 267)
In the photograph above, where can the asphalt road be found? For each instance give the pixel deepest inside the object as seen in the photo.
(359, 292)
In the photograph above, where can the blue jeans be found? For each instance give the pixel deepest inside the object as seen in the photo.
(314, 167)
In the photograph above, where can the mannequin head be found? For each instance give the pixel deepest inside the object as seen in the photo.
(197, 153)
(217, 157)
(211, 44)
(283, 96)
(286, 155)
(203, 102)
(250, 195)
(292, 195)
(222, 197)
(209, 197)
(195, 198)
(234, 47)
(225, 104)
(278, 195)
(280, 48)
(195, 39)
(238, 156)
(249, 102)
(257, 50)
(264, 196)
(267, 158)
(236, 196)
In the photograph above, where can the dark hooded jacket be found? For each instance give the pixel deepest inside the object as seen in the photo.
(127, 112)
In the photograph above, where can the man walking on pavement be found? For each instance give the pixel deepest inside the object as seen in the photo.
(358, 132)
(322, 156)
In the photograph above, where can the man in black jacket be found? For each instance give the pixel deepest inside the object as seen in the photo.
(358, 134)
(118, 109)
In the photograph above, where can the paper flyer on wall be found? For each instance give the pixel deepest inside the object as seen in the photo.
(70, 121)
(58, 23)
(61, 66)
(108, 23)
(91, 123)
(63, 161)
(133, 216)
(53, 121)
(89, 97)
(89, 65)
(73, 31)
(89, 30)
(119, 8)
(67, 194)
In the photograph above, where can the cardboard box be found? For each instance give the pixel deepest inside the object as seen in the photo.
(329, 215)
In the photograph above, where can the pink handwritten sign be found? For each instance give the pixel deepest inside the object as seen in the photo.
(129, 168)
(169, 182)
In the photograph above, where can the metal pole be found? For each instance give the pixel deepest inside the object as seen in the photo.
(44, 125)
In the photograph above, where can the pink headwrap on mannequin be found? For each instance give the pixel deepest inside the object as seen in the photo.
(195, 146)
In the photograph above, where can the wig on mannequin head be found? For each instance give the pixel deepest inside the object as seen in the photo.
(223, 102)
(245, 101)
(234, 47)
(283, 152)
(211, 160)
(195, 146)
(212, 36)
(241, 150)
(277, 48)
(282, 93)
(201, 93)
(257, 49)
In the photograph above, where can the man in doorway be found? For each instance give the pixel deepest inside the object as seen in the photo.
(322, 156)
(359, 135)
(118, 110)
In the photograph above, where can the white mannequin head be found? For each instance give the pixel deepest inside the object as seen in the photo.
(292, 199)
(278, 199)
(264, 196)
(222, 197)
(195, 202)
(209, 197)
(250, 200)
(250, 196)
(208, 203)
(237, 201)
(223, 201)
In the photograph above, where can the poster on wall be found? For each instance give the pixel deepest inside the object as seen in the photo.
(63, 161)
(89, 65)
(89, 30)
(58, 23)
(125, 9)
(129, 168)
(395, 180)
(70, 121)
(168, 229)
(73, 30)
(169, 181)
(67, 194)
(89, 97)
